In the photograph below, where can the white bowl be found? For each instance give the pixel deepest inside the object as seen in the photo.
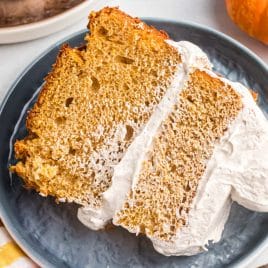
(48, 26)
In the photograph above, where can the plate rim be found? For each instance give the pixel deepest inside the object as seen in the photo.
(58, 21)
(241, 261)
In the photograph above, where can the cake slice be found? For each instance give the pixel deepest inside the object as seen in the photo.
(94, 102)
(138, 130)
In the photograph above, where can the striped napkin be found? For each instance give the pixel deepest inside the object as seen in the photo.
(11, 256)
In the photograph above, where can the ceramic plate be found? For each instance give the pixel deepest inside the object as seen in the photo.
(51, 233)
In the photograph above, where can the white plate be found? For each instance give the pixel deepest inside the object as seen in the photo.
(50, 25)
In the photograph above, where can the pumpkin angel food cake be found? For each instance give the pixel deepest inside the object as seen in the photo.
(138, 130)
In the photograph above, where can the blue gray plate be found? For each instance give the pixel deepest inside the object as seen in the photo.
(51, 233)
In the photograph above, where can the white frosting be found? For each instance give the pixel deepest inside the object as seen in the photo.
(191, 55)
(125, 173)
(237, 170)
(245, 166)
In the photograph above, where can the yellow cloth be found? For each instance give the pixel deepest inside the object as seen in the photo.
(11, 256)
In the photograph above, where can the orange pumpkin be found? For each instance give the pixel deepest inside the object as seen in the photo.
(251, 16)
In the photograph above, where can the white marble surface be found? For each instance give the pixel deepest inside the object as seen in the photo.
(15, 57)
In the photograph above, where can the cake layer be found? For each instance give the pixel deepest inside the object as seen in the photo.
(158, 204)
(237, 171)
(94, 102)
